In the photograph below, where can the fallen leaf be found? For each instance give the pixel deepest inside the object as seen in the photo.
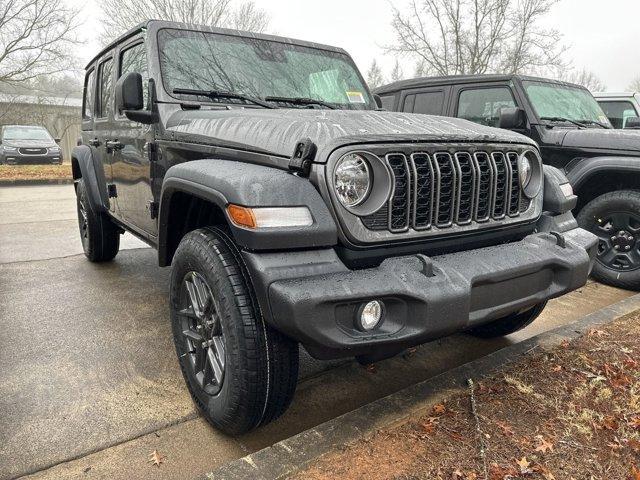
(429, 425)
(634, 423)
(439, 409)
(371, 368)
(557, 368)
(524, 465)
(498, 472)
(457, 473)
(506, 429)
(564, 344)
(630, 363)
(597, 333)
(634, 445)
(610, 422)
(543, 444)
(635, 473)
(155, 458)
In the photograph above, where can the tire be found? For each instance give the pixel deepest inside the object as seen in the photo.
(99, 236)
(509, 324)
(615, 218)
(257, 367)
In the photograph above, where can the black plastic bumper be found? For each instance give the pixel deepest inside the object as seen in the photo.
(313, 298)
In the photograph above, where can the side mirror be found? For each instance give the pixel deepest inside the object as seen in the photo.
(130, 98)
(378, 100)
(512, 118)
(632, 122)
(57, 140)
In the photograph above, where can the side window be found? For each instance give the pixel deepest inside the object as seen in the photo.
(134, 59)
(88, 101)
(618, 112)
(105, 88)
(388, 102)
(430, 103)
(483, 105)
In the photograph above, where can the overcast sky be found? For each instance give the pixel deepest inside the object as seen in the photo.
(601, 35)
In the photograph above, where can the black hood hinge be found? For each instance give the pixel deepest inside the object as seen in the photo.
(303, 155)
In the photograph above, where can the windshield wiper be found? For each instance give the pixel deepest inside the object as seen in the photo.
(593, 122)
(562, 119)
(299, 101)
(222, 94)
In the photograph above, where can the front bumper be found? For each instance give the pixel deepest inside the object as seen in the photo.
(313, 298)
(19, 159)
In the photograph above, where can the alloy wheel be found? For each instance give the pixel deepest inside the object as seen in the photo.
(203, 339)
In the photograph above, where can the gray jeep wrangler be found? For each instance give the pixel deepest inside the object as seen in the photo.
(292, 210)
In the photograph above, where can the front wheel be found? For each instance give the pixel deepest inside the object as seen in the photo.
(240, 372)
(509, 324)
(615, 218)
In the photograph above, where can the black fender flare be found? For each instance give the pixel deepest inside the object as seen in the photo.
(222, 182)
(580, 171)
(93, 175)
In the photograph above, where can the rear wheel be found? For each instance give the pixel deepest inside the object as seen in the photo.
(100, 237)
(240, 372)
(615, 218)
(509, 324)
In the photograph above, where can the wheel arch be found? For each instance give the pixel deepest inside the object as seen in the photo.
(199, 191)
(596, 176)
(85, 165)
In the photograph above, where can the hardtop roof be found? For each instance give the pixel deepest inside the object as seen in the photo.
(456, 79)
(158, 24)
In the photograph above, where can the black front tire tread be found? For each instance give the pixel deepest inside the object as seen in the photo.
(280, 354)
(628, 198)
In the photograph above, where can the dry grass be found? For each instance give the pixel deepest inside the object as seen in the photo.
(569, 413)
(35, 172)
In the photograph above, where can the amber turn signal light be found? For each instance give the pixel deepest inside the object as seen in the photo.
(242, 216)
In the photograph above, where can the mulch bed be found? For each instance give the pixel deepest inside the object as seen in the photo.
(22, 173)
(572, 412)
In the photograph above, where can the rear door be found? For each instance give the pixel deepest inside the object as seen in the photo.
(103, 123)
(131, 165)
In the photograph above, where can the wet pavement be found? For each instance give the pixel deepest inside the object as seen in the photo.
(89, 381)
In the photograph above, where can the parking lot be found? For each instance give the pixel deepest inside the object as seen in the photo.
(90, 380)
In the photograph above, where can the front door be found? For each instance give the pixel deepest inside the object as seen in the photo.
(129, 148)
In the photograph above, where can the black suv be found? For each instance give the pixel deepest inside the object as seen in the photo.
(28, 145)
(292, 210)
(574, 134)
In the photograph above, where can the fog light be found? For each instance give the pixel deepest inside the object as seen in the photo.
(369, 315)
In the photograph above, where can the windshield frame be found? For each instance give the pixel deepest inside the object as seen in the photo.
(369, 105)
(26, 127)
(564, 85)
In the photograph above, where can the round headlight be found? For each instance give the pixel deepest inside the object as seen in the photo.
(352, 180)
(525, 169)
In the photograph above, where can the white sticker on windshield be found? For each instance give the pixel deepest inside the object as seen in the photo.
(355, 97)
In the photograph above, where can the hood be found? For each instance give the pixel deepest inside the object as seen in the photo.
(29, 143)
(596, 138)
(277, 131)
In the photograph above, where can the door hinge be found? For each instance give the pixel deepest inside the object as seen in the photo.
(152, 150)
(302, 157)
(153, 209)
(112, 191)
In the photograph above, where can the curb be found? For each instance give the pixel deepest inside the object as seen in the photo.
(22, 183)
(288, 456)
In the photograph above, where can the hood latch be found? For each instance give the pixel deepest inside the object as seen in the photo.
(303, 156)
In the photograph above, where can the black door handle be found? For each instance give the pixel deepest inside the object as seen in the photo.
(113, 145)
(94, 142)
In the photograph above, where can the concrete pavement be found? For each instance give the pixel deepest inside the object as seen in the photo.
(89, 382)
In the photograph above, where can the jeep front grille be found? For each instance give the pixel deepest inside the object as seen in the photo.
(442, 190)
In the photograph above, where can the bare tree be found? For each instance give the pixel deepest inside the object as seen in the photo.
(585, 78)
(454, 37)
(634, 86)
(242, 15)
(397, 73)
(374, 75)
(36, 37)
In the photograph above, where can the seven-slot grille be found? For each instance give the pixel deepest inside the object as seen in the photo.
(442, 189)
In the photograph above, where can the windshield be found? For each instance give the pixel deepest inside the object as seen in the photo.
(258, 68)
(26, 133)
(555, 100)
